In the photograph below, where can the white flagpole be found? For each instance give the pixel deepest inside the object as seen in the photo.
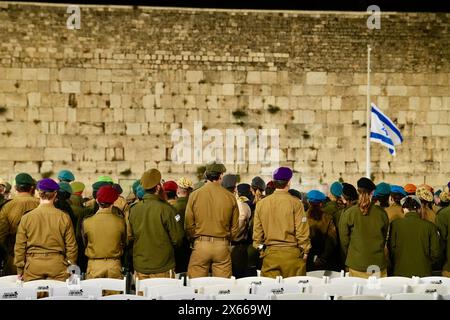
(368, 115)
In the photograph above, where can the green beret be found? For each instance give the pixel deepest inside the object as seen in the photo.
(215, 167)
(150, 179)
(99, 184)
(24, 179)
(105, 179)
(65, 186)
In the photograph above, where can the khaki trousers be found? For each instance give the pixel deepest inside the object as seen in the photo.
(446, 273)
(42, 266)
(104, 268)
(365, 275)
(214, 254)
(285, 262)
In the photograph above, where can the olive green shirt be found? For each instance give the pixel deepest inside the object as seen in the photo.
(394, 212)
(104, 235)
(280, 220)
(212, 211)
(413, 246)
(156, 229)
(180, 206)
(363, 237)
(331, 207)
(443, 224)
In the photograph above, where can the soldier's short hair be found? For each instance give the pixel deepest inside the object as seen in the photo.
(213, 176)
(280, 184)
(46, 195)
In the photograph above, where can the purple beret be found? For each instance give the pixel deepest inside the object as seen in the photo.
(282, 173)
(48, 185)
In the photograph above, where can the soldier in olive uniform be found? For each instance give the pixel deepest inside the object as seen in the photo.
(334, 204)
(212, 221)
(10, 216)
(156, 229)
(2, 192)
(426, 198)
(382, 194)
(413, 242)
(45, 244)
(395, 211)
(322, 231)
(443, 224)
(362, 231)
(183, 252)
(170, 189)
(104, 236)
(76, 199)
(281, 226)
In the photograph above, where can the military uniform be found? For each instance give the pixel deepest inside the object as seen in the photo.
(45, 244)
(443, 224)
(430, 215)
(239, 248)
(10, 216)
(156, 230)
(105, 237)
(280, 223)
(363, 239)
(212, 221)
(394, 212)
(183, 252)
(413, 246)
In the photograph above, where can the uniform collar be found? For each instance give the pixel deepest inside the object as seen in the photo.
(281, 191)
(149, 196)
(104, 210)
(47, 205)
(412, 214)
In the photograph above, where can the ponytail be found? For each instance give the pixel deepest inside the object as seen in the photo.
(257, 195)
(365, 199)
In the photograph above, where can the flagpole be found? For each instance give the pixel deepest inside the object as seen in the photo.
(368, 114)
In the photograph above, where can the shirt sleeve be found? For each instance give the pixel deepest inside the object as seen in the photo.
(442, 225)
(20, 247)
(345, 229)
(258, 232)
(302, 228)
(71, 243)
(4, 228)
(234, 221)
(435, 250)
(174, 227)
(189, 220)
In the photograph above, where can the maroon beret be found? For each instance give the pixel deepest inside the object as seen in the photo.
(170, 186)
(107, 194)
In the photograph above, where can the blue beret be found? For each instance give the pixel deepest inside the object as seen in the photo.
(382, 189)
(398, 189)
(336, 189)
(316, 196)
(48, 185)
(282, 173)
(134, 186)
(66, 175)
(140, 192)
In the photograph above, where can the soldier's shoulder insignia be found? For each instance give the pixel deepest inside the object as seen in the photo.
(304, 219)
(243, 199)
(177, 217)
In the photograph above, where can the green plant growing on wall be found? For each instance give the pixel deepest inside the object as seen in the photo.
(239, 113)
(3, 110)
(306, 135)
(126, 172)
(273, 109)
(201, 172)
(46, 174)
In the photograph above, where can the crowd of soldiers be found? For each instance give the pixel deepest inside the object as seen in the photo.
(220, 227)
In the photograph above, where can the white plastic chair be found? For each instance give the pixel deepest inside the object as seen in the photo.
(433, 280)
(224, 289)
(209, 281)
(325, 273)
(335, 289)
(397, 281)
(18, 293)
(67, 298)
(247, 296)
(156, 291)
(382, 289)
(304, 280)
(123, 297)
(8, 279)
(301, 296)
(269, 289)
(106, 284)
(430, 288)
(91, 292)
(141, 285)
(446, 297)
(184, 296)
(257, 281)
(361, 297)
(348, 281)
(44, 285)
(413, 296)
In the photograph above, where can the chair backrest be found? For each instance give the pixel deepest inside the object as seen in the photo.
(396, 281)
(361, 297)
(153, 282)
(348, 289)
(413, 296)
(247, 296)
(8, 279)
(44, 285)
(325, 273)
(382, 289)
(349, 280)
(18, 293)
(256, 281)
(268, 289)
(66, 298)
(301, 296)
(304, 280)
(106, 284)
(184, 296)
(224, 289)
(123, 297)
(93, 292)
(208, 281)
(446, 297)
(430, 288)
(154, 292)
(433, 280)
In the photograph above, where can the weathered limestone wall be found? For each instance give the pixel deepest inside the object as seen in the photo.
(106, 98)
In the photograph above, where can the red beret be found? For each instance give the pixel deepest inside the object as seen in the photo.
(107, 194)
(170, 186)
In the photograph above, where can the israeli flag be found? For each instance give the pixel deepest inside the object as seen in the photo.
(383, 130)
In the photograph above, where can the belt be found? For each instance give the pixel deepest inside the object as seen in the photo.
(104, 258)
(211, 239)
(44, 254)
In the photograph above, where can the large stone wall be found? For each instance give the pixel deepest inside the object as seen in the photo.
(105, 99)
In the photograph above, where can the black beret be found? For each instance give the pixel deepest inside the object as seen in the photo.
(349, 191)
(365, 183)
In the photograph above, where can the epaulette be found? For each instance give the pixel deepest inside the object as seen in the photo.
(243, 199)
